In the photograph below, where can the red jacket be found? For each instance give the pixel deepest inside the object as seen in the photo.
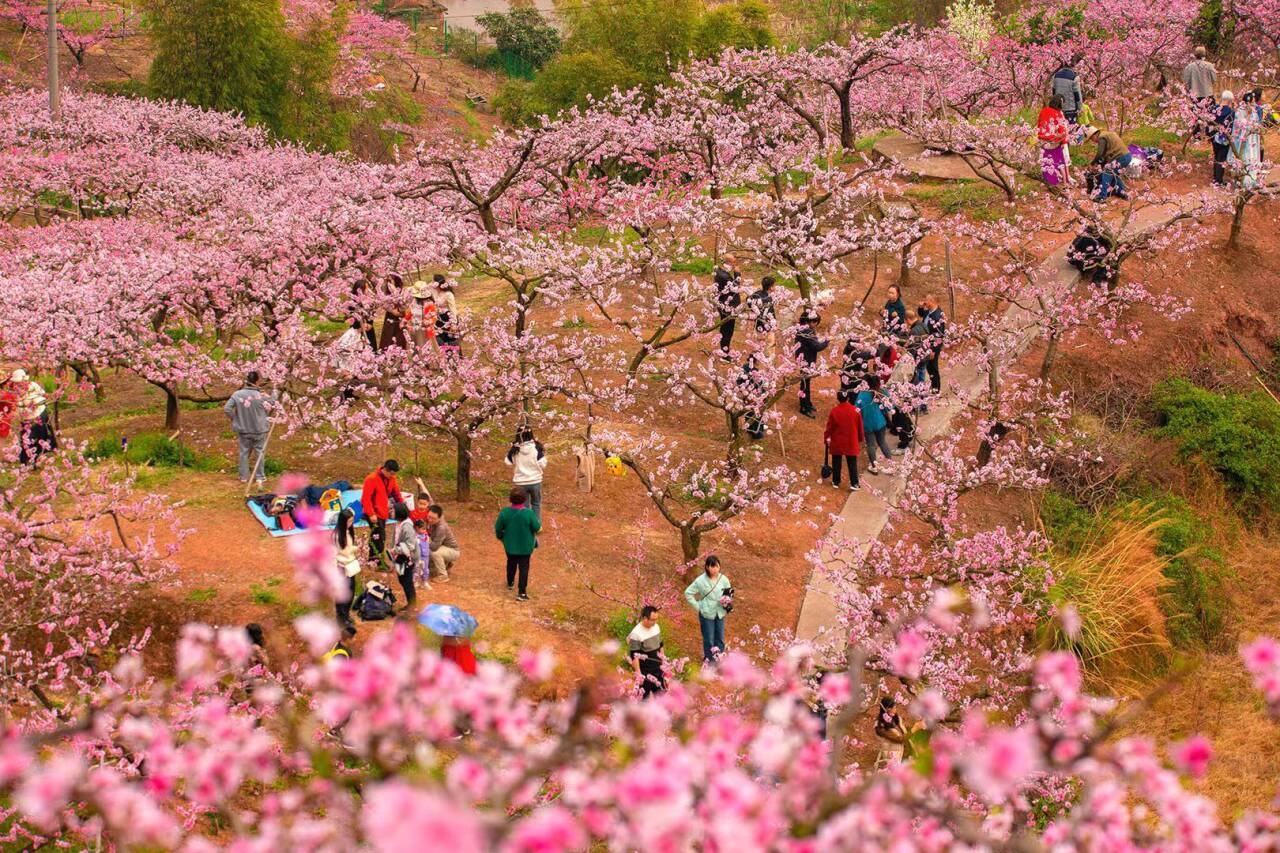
(844, 430)
(377, 494)
(461, 654)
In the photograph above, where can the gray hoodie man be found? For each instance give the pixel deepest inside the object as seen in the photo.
(251, 422)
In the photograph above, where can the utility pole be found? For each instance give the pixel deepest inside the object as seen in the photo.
(52, 27)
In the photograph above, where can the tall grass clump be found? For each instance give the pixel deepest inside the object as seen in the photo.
(1114, 577)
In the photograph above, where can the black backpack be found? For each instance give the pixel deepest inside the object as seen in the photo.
(376, 602)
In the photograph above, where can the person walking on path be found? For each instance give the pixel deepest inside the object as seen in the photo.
(1224, 125)
(708, 594)
(644, 650)
(251, 422)
(895, 312)
(808, 345)
(380, 492)
(348, 563)
(874, 425)
(1052, 131)
(517, 529)
(728, 298)
(1066, 85)
(528, 460)
(408, 559)
(444, 545)
(844, 435)
(764, 311)
(935, 328)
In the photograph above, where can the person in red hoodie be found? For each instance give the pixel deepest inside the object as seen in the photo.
(844, 437)
(380, 492)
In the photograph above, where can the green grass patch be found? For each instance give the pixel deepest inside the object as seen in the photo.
(261, 594)
(202, 595)
(866, 143)
(1237, 435)
(980, 200)
(155, 450)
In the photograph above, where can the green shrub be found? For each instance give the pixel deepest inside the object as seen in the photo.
(201, 595)
(1238, 435)
(156, 450)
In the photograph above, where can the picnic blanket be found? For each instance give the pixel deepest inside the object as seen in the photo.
(349, 498)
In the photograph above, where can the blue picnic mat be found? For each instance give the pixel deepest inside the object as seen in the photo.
(350, 498)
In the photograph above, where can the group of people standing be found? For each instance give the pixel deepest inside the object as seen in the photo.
(23, 399)
(430, 316)
(1234, 126)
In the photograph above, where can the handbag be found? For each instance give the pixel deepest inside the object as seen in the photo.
(826, 462)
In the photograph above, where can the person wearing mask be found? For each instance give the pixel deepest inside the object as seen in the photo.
(844, 435)
(935, 328)
(1066, 85)
(895, 312)
(444, 545)
(808, 345)
(528, 460)
(764, 311)
(1112, 157)
(348, 561)
(406, 554)
(1224, 121)
(1051, 131)
(875, 427)
(251, 422)
(644, 650)
(517, 529)
(707, 595)
(380, 493)
(728, 282)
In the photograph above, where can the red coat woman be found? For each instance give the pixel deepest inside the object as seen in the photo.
(844, 435)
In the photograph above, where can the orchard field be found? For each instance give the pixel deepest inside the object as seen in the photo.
(416, 248)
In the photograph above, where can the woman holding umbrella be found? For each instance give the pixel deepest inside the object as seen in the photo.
(454, 627)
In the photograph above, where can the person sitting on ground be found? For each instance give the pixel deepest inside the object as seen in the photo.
(1089, 254)
(644, 650)
(528, 459)
(1112, 157)
(258, 656)
(890, 730)
(444, 545)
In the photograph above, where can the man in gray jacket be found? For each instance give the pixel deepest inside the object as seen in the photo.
(1066, 85)
(1200, 77)
(250, 421)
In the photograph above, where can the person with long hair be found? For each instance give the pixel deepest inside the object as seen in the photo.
(708, 595)
(348, 560)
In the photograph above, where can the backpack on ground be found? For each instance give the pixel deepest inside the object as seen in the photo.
(376, 602)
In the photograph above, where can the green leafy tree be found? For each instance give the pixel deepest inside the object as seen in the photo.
(631, 43)
(524, 33)
(231, 55)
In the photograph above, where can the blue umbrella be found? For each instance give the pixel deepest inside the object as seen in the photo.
(448, 621)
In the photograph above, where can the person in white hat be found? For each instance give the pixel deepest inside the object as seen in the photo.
(35, 433)
(422, 315)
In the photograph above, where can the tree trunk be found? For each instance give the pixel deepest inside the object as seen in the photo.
(171, 409)
(904, 271)
(847, 142)
(488, 220)
(1237, 223)
(690, 545)
(1050, 355)
(463, 479)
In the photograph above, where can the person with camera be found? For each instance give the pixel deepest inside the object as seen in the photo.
(528, 459)
(711, 595)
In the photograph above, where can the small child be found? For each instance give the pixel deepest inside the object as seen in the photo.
(424, 551)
